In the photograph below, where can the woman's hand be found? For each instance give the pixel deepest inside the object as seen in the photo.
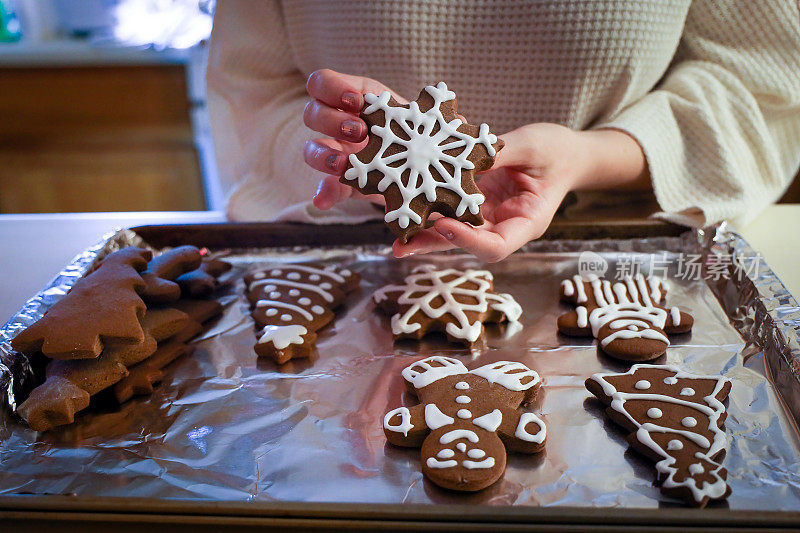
(538, 166)
(336, 101)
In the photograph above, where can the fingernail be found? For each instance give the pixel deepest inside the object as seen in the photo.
(332, 162)
(447, 234)
(406, 254)
(351, 100)
(350, 128)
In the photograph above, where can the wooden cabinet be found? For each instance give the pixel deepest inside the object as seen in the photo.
(97, 138)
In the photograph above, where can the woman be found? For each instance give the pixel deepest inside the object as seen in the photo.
(694, 103)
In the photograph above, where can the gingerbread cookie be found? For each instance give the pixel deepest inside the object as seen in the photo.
(204, 280)
(676, 419)
(453, 301)
(148, 372)
(70, 384)
(291, 302)
(466, 419)
(626, 317)
(102, 308)
(164, 269)
(421, 157)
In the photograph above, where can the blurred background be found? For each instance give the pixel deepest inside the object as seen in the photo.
(102, 106)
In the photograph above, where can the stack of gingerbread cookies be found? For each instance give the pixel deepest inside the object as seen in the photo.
(117, 328)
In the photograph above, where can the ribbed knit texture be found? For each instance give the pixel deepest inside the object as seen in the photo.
(710, 88)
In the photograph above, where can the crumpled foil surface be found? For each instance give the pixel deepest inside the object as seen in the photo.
(225, 426)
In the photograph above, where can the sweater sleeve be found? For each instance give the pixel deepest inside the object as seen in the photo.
(721, 132)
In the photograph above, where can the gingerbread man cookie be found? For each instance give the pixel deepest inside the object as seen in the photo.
(421, 157)
(466, 419)
(626, 317)
(291, 302)
(453, 301)
(676, 419)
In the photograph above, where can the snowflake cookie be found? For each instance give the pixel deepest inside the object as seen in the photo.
(291, 302)
(453, 301)
(466, 419)
(627, 317)
(421, 157)
(677, 420)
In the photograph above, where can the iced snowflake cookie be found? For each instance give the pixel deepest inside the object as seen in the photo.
(291, 302)
(453, 301)
(675, 419)
(466, 419)
(626, 317)
(421, 157)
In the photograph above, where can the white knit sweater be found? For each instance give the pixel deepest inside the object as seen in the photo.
(710, 88)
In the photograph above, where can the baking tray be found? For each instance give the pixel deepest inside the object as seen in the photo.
(91, 513)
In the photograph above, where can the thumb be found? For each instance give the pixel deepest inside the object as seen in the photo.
(516, 152)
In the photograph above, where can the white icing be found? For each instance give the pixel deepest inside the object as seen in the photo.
(696, 468)
(304, 301)
(423, 373)
(293, 275)
(578, 282)
(455, 434)
(675, 314)
(275, 272)
(286, 318)
(327, 273)
(628, 334)
(475, 453)
(509, 374)
(583, 316)
(711, 407)
(282, 336)
(435, 463)
(642, 384)
(426, 285)
(522, 432)
(687, 391)
(674, 444)
(464, 413)
(258, 275)
(447, 453)
(654, 412)
(486, 463)
(326, 285)
(317, 309)
(314, 277)
(283, 305)
(461, 446)
(424, 151)
(271, 312)
(462, 385)
(405, 424)
(568, 287)
(274, 294)
(435, 418)
(294, 285)
(463, 399)
(490, 421)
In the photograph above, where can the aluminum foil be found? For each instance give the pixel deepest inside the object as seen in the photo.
(224, 426)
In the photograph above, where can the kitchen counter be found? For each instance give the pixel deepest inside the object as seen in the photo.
(35, 247)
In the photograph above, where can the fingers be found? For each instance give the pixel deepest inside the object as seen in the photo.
(328, 155)
(490, 243)
(424, 242)
(343, 91)
(330, 192)
(333, 122)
